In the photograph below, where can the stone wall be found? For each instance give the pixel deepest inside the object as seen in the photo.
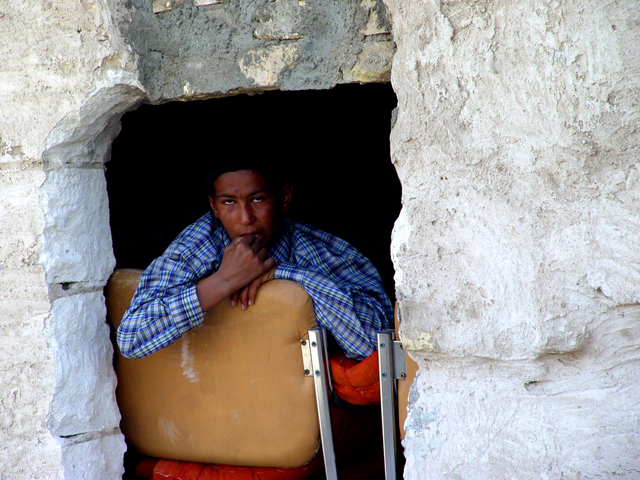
(65, 78)
(517, 144)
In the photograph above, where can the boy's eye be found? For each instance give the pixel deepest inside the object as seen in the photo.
(227, 202)
(257, 199)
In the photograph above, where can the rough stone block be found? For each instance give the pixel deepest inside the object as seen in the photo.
(77, 234)
(54, 58)
(521, 225)
(374, 63)
(44, 77)
(96, 459)
(26, 366)
(27, 449)
(209, 50)
(84, 399)
(86, 137)
(31, 456)
(264, 66)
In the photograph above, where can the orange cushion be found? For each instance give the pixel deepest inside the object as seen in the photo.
(356, 382)
(176, 470)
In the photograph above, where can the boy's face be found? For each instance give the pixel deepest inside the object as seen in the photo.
(246, 206)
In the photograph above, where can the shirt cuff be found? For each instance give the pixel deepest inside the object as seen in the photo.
(186, 310)
(288, 271)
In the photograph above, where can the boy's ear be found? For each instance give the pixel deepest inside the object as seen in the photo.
(213, 207)
(287, 192)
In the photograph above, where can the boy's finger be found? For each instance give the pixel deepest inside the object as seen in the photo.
(243, 297)
(253, 290)
(269, 263)
(262, 254)
(248, 239)
(234, 299)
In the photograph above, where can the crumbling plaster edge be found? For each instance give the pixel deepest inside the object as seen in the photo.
(79, 143)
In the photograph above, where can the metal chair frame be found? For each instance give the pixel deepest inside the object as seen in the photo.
(322, 381)
(392, 363)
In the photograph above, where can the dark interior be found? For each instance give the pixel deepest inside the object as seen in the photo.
(334, 143)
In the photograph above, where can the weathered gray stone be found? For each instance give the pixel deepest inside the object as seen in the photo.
(86, 136)
(64, 76)
(195, 51)
(27, 449)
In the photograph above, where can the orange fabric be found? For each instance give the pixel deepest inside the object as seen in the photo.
(356, 382)
(175, 470)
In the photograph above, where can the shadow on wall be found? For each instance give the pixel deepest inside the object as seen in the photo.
(335, 143)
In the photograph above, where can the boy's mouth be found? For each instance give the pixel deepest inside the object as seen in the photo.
(256, 235)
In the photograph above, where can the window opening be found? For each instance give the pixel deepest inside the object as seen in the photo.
(334, 143)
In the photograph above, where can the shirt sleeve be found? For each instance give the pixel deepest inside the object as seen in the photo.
(164, 307)
(349, 301)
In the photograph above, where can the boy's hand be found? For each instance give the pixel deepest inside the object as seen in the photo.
(244, 261)
(247, 295)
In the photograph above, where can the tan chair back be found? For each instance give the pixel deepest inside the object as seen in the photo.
(230, 391)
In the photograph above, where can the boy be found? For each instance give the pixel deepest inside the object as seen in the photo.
(242, 243)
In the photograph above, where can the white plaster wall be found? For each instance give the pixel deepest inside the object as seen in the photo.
(518, 248)
(65, 78)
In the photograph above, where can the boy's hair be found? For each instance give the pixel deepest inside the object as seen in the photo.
(268, 169)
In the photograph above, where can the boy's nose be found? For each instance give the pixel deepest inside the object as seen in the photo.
(246, 216)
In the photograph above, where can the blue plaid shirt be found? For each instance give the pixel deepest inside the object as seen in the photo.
(348, 295)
